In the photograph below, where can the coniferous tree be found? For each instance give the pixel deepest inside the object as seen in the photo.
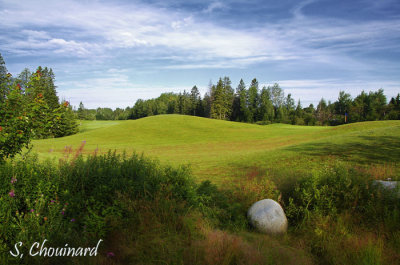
(299, 117)
(50, 93)
(244, 114)
(218, 105)
(229, 95)
(81, 112)
(266, 108)
(195, 101)
(253, 99)
(65, 123)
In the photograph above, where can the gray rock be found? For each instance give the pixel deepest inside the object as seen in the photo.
(389, 185)
(267, 216)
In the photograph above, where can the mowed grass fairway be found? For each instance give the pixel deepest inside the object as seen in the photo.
(223, 151)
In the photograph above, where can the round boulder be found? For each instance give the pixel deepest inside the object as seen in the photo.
(267, 216)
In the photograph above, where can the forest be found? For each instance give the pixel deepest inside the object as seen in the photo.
(254, 105)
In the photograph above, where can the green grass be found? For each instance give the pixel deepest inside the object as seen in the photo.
(222, 150)
(336, 216)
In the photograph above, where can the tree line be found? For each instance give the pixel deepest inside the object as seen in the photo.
(254, 105)
(31, 109)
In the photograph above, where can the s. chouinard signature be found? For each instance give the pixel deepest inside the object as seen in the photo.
(37, 249)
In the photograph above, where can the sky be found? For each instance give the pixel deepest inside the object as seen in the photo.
(111, 53)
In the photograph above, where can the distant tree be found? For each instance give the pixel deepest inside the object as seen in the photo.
(64, 122)
(253, 100)
(81, 112)
(377, 109)
(184, 103)
(206, 105)
(229, 94)
(219, 109)
(277, 95)
(242, 93)
(24, 77)
(266, 108)
(393, 108)
(221, 99)
(299, 115)
(360, 107)
(322, 112)
(195, 100)
(309, 115)
(50, 93)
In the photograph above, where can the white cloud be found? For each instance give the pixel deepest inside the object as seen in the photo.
(143, 37)
(214, 6)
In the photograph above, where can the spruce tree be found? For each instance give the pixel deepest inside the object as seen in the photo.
(253, 99)
(50, 93)
(195, 101)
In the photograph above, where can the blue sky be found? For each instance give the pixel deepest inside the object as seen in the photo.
(111, 53)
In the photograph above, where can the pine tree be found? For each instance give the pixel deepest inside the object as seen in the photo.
(241, 92)
(195, 101)
(50, 93)
(253, 99)
(81, 111)
(222, 99)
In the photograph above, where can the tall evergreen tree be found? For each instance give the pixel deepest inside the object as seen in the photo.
(81, 112)
(244, 113)
(195, 101)
(266, 108)
(50, 93)
(253, 99)
(222, 98)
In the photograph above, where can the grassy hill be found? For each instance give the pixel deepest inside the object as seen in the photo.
(222, 150)
(146, 211)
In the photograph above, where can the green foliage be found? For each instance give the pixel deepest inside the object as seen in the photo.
(15, 122)
(333, 191)
(29, 108)
(76, 201)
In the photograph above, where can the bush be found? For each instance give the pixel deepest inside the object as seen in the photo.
(331, 191)
(78, 201)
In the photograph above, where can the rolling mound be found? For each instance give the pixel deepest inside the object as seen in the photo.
(215, 147)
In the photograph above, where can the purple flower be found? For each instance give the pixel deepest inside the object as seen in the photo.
(62, 212)
(13, 180)
(110, 254)
(32, 210)
(52, 201)
(73, 220)
(11, 193)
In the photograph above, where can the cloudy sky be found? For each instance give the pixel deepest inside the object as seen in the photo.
(110, 53)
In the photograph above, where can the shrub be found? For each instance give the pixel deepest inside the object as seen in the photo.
(78, 201)
(339, 189)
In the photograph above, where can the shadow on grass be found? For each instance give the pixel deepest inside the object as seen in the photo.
(363, 149)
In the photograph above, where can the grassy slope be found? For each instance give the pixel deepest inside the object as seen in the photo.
(221, 150)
